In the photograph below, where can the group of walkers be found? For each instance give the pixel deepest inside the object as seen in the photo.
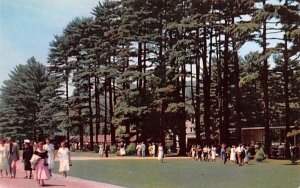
(38, 159)
(153, 150)
(207, 153)
(141, 150)
(103, 149)
(9, 155)
(239, 155)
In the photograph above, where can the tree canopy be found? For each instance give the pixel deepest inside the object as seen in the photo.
(148, 66)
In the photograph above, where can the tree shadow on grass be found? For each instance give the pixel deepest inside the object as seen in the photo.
(53, 185)
(295, 163)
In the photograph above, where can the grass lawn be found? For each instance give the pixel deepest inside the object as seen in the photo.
(84, 154)
(187, 173)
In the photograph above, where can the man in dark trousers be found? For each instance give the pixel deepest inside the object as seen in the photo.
(13, 156)
(106, 149)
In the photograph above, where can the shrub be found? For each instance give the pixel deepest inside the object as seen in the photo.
(96, 149)
(113, 149)
(260, 155)
(130, 150)
(72, 149)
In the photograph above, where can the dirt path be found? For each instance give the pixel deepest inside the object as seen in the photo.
(55, 181)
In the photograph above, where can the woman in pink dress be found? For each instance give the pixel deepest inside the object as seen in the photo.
(41, 169)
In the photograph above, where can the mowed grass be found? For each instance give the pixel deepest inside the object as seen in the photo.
(186, 173)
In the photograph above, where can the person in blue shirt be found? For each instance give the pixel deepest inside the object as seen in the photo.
(223, 154)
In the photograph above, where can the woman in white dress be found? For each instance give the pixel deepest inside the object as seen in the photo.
(3, 157)
(64, 158)
(138, 150)
(153, 149)
(193, 152)
(50, 149)
(232, 154)
(101, 149)
(160, 155)
(122, 149)
(213, 153)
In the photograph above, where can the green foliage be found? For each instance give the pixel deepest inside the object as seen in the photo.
(130, 149)
(175, 107)
(150, 65)
(72, 149)
(113, 149)
(96, 148)
(248, 78)
(260, 155)
(21, 98)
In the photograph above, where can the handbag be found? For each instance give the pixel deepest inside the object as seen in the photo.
(34, 160)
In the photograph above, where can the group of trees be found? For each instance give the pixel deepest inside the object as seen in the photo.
(144, 67)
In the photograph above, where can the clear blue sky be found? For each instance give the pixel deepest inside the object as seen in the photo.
(27, 27)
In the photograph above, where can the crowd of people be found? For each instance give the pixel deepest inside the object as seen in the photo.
(237, 154)
(38, 159)
(141, 150)
(240, 154)
(207, 153)
(153, 150)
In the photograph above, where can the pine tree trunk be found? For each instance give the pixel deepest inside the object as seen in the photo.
(105, 109)
(111, 114)
(97, 108)
(140, 81)
(91, 115)
(219, 86)
(286, 97)
(162, 121)
(225, 84)
(182, 116)
(237, 104)
(197, 98)
(67, 102)
(140, 86)
(145, 65)
(80, 130)
(265, 89)
(163, 103)
(206, 90)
